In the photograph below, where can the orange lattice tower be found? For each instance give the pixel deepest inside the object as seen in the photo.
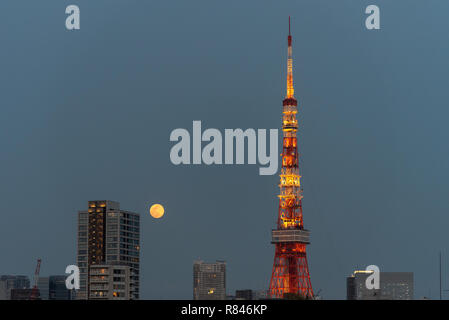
(290, 270)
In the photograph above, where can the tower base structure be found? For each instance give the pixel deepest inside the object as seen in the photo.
(290, 270)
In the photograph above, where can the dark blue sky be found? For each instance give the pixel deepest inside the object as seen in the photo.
(87, 115)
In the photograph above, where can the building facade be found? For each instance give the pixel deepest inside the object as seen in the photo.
(110, 282)
(209, 280)
(108, 236)
(393, 286)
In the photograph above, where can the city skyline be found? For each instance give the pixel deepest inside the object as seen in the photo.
(209, 283)
(88, 115)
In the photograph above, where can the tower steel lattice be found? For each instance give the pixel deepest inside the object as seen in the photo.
(290, 269)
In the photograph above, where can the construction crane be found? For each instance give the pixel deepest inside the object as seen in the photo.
(35, 291)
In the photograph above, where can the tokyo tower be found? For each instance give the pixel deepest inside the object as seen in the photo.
(290, 270)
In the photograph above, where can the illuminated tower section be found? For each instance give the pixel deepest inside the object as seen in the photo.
(290, 270)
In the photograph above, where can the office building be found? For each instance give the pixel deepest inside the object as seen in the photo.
(393, 286)
(209, 280)
(108, 236)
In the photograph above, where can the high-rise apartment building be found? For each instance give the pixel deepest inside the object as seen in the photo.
(393, 286)
(209, 280)
(108, 236)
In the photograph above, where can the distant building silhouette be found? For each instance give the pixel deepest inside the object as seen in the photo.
(393, 286)
(10, 282)
(43, 284)
(260, 294)
(209, 280)
(54, 288)
(22, 294)
(244, 294)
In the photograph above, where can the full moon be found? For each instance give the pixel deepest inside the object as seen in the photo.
(157, 211)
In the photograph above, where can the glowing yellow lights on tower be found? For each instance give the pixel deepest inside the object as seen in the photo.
(290, 180)
(290, 90)
(157, 211)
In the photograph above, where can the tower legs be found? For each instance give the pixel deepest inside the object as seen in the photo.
(290, 271)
